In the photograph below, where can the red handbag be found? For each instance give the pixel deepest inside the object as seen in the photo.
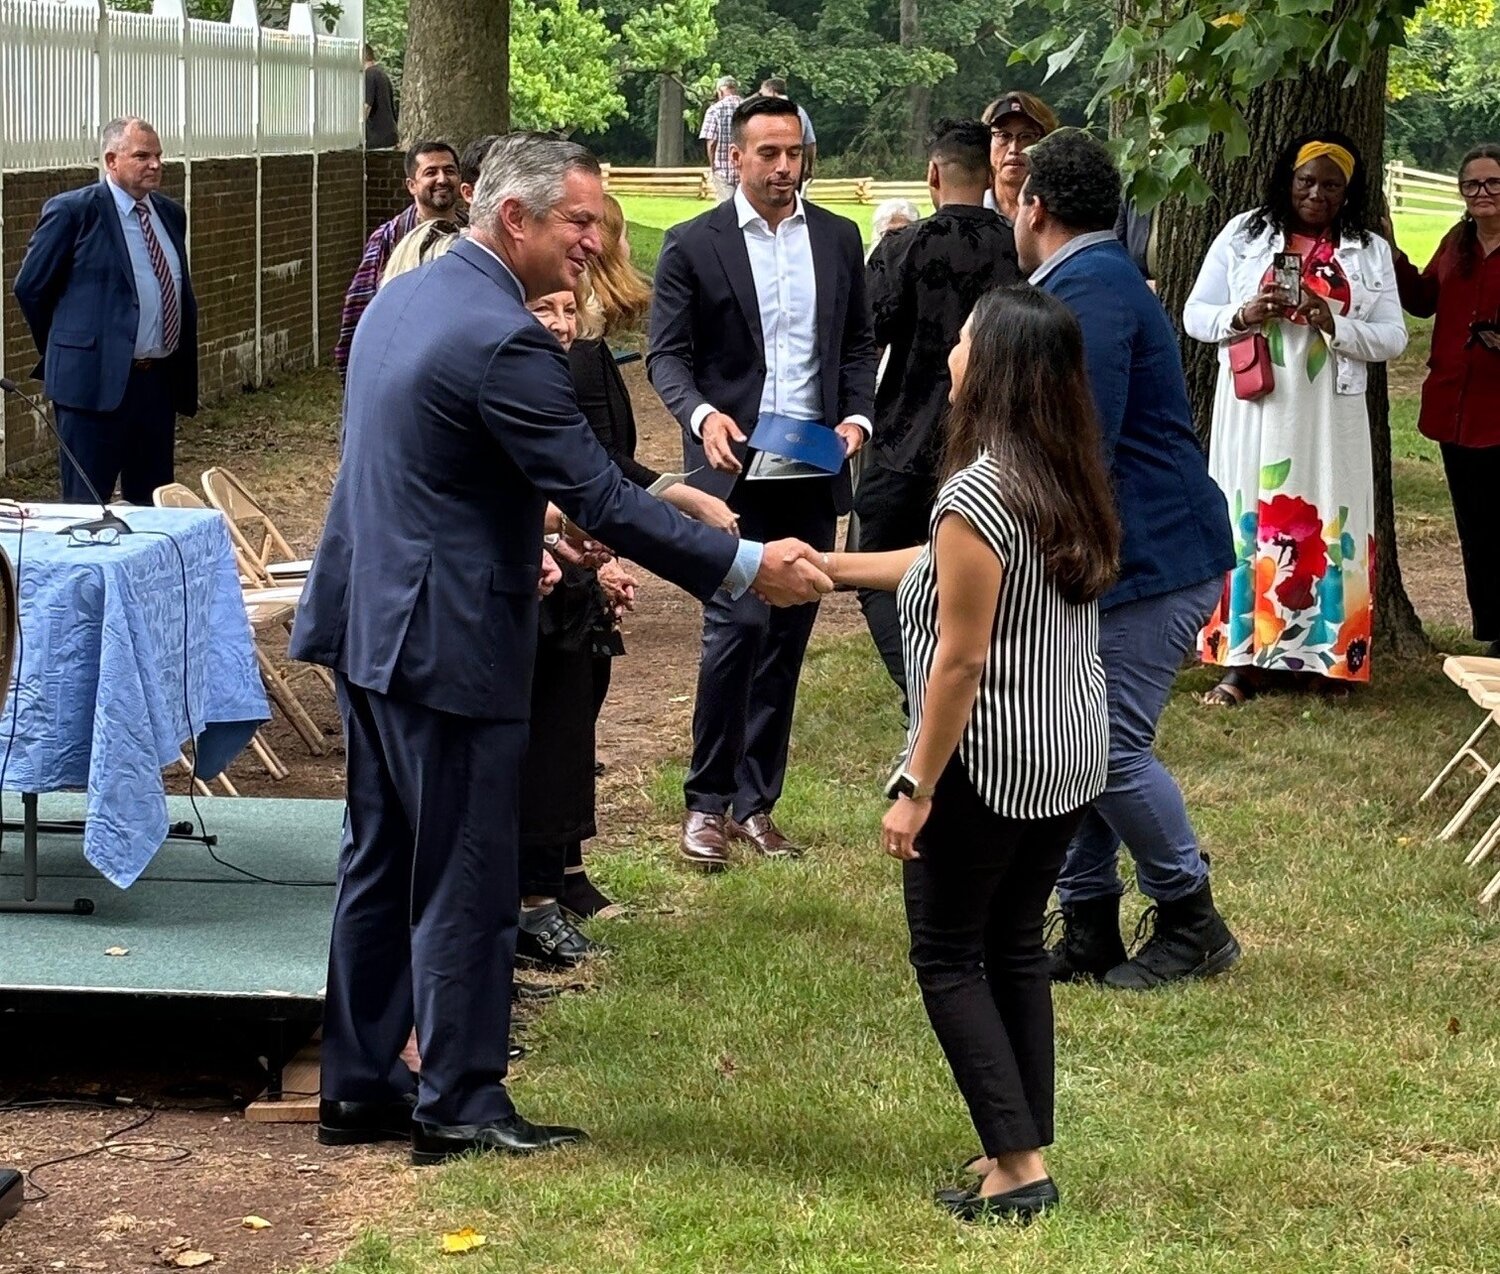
(1250, 361)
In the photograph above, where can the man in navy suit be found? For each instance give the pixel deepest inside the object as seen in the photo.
(760, 308)
(1176, 550)
(459, 425)
(104, 288)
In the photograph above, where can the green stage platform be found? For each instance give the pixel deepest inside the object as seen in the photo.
(194, 931)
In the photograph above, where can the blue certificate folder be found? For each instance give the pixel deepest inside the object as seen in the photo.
(809, 441)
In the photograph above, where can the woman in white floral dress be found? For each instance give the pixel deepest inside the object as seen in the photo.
(1294, 461)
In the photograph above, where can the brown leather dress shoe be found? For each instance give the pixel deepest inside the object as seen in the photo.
(761, 832)
(702, 842)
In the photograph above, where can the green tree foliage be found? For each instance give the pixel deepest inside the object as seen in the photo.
(1445, 86)
(1179, 73)
(564, 67)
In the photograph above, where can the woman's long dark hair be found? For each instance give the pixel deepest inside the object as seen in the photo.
(1353, 220)
(1468, 235)
(1025, 399)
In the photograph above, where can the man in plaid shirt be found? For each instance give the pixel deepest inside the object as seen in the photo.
(715, 131)
(432, 181)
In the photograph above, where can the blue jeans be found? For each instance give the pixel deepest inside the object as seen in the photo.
(1142, 645)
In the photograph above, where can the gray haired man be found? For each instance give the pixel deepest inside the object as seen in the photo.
(716, 134)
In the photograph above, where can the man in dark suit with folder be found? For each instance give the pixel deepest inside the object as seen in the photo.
(761, 348)
(459, 425)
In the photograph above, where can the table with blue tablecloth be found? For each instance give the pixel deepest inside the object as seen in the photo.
(127, 650)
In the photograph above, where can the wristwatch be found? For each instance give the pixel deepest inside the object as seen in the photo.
(904, 783)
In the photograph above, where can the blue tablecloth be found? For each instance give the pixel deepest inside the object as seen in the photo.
(99, 697)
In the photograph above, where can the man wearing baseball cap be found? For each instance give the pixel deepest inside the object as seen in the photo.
(1017, 121)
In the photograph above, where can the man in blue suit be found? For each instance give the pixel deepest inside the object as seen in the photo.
(459, 425)
(1175, 553)
(104, 288)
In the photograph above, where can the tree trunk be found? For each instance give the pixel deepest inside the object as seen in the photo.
(455, 82)
(668, 121)
(1276, 114)
(918, 96)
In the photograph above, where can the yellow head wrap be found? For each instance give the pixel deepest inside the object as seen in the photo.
(1318, 150)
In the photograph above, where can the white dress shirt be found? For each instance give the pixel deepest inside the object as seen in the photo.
(786, 294)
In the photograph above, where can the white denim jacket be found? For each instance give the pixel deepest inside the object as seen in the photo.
(1372, 332)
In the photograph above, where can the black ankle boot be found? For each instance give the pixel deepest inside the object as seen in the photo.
(1091, 944)
(1189, 939)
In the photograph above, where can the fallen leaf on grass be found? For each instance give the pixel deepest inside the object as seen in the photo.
(1453, 1027)
(256, 1223)
(464, 1240)
(116, 951)
(727, 1065)
(678, 699)
(191, 1259)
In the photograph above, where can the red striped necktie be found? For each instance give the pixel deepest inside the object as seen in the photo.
(171, 321)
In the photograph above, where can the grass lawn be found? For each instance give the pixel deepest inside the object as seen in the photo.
(765, 1095)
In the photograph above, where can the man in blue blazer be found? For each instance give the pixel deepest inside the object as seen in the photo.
(1173, 560)
(459, 426)
(104, 287)
(760, 308)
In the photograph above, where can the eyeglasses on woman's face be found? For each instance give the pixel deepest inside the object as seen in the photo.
(1472, 189)
(1022, 140)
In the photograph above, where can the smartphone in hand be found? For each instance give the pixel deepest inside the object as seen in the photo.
(1286, 276)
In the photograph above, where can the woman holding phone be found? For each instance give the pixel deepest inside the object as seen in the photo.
(1461, 395)
(1009, 729)
(1300, 297)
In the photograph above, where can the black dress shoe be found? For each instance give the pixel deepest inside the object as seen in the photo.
(1020, 1204)
(359, 1123)
(433, 1143)
(546, 937)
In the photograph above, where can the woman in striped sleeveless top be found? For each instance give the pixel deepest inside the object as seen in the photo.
(1009, 727)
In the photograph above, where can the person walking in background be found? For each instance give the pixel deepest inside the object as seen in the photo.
(1461, 395)
(432, 182)
(1300, 293)
(775, 86)
(760, 310)
(380, 104)
(1009, 727)
(716, 137)
(923, 281)
(105, 290)
(1175, 551)
(455, 389)
(1017, 121)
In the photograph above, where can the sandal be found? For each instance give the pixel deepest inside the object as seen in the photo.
(1232, 691)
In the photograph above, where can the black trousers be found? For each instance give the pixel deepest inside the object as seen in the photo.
(752, 659)
(894, 510)
(1474, 481)
(424, 921)
(975, 901)
(557, 779)
(131, 445)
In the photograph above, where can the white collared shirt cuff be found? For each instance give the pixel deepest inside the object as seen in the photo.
(745, 567)
(700, 413)
(862, 421)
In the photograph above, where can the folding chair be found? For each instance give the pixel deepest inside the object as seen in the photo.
(1480, 679)
(273, 556)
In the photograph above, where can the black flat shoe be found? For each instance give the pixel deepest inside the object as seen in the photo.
(1020, 1204)
(361, 1123)
(433, 1143)
(546, 937)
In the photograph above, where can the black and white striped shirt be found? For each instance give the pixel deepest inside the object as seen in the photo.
(1037, 742)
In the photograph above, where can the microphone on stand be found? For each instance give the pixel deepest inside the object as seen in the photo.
(106, 521)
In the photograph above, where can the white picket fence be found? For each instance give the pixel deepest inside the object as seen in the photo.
(212, 89)
(1411, 190)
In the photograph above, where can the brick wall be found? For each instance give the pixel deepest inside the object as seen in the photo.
(222, 222)
(286, 263)
(221, 247)
(385, 187)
